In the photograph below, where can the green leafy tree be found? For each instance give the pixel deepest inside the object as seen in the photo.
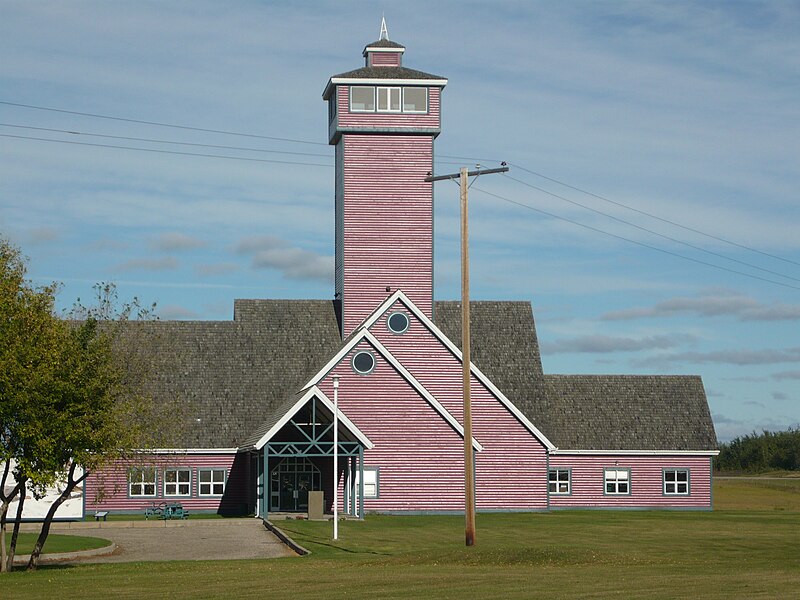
(30, 337)
(77, 390)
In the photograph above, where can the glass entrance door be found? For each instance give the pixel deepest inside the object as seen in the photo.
(290, 482)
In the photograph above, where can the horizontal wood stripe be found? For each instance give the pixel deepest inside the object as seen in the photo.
(386, 236)
(646, 481)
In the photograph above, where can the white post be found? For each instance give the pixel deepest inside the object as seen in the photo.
(336, 457)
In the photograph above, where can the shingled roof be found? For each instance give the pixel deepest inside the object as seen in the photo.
(235, 377)
(384, 43)
(386, 73)
(231, 375)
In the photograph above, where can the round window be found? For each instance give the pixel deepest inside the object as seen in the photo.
(397, 322)
(363, 362)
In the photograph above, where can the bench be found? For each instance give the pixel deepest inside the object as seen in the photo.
(175, 511)
(154, 511)
(101, 514)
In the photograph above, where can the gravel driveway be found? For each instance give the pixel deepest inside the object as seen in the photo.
(202, 539)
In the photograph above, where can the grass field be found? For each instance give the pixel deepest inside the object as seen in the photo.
(748, 548)
(57, 543)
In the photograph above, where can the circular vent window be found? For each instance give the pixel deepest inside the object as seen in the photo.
(398, 322)
(363, 362)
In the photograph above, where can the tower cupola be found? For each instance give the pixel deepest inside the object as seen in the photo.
(384, 53)
(382, 120)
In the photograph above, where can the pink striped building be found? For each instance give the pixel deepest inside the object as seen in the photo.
(260, 395)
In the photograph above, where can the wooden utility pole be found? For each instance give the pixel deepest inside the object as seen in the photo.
(469, 465)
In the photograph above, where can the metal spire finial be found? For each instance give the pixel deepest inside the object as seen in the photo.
(384, 31)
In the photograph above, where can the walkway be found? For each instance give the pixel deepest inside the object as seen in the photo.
(200, 539)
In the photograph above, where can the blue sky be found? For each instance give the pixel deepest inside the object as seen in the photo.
(684, 111)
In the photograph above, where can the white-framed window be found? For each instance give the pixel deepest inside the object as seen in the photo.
(371, 482)
(177, 481)
(617, 482)
(389, 99)
(676, 482)
(362, 98)
(211, 482)
(384, 99)
(398, 322)
(415, 100)
(363, 362)
(559, 481)
(142, 482)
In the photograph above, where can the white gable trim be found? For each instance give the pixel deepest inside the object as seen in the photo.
(558, 451)
(399, 295)
(313, 392)
(364, 334)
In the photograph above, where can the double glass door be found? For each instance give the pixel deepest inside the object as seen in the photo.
(290, 482)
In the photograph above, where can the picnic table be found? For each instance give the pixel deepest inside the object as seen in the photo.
(166, 510)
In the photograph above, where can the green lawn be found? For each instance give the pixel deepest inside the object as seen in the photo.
(728, 553)
(56, 543)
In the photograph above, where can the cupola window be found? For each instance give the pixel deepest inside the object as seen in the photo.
(362, 98)
(415, 100)
(388, 99)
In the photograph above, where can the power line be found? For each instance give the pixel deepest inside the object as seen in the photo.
(261, 160)
(642, 244)
(636, 210)
(185, 127)
(663, 220)
(294, 140)
(650, 231)
(158, 141)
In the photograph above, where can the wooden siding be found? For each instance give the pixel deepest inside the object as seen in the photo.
(646, 483)
(375, 120)
(419, 454)
(387, 234)
(384, 59)
(111, 484)
(511, 471)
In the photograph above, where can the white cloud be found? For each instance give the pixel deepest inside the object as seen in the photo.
(602, 344)
(215, 269)
(270, 252)
(767, 356)
(176, 241)
(711, 305)
(175, 312)
(166, 263)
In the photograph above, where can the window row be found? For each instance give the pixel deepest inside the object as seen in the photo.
(369, 98)
(176, 482)
(617, 482)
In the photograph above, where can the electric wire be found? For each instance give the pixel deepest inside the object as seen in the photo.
(294, 140)
(244, 158)
(142, 122)
(662, 219)
(650, 231)
(158, 141)
(642, 244)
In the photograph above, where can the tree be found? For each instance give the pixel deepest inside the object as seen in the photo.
(29, 349)
(78, 390)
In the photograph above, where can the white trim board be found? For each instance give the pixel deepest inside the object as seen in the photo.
(559, 452)
(313, 392)
(364, 334)
(399, 295)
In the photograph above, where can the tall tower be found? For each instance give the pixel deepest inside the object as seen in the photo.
(382, 119)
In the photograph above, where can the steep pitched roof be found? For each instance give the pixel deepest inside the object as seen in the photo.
(587, 412)
(235, 377)
(231, 375)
